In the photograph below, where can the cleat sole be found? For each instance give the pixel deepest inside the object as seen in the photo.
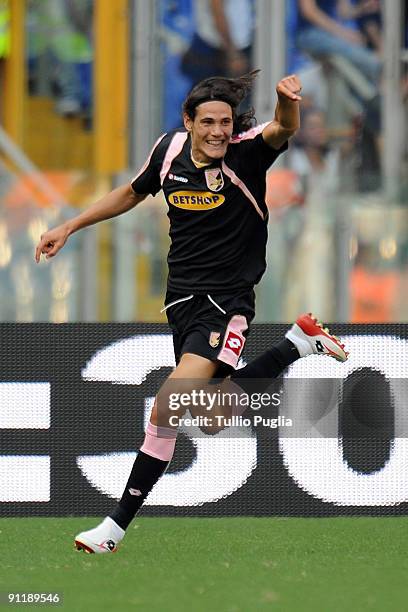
(84, 548)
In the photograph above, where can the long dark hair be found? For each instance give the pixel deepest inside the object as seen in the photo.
(231, 91)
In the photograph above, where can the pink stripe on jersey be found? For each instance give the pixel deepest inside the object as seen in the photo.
(249, 134)
(234, 341)
(236, 181)
(147, 162)
(174, 149)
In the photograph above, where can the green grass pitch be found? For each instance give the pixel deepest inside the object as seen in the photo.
(219, 564)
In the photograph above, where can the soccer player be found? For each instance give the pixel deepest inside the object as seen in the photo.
(212, 174)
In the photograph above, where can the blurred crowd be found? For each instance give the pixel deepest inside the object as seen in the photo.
(335, 46)
(60, 54)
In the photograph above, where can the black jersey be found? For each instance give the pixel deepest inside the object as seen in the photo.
(218, 216)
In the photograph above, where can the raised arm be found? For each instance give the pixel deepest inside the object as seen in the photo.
(115, 203)
(287, 120)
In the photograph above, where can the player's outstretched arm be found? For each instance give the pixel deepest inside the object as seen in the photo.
(287, 119)
(113, 204)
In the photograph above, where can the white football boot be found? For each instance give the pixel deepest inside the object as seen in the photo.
(102, 539)
(309, 337)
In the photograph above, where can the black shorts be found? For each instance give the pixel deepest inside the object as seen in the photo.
(214, 327)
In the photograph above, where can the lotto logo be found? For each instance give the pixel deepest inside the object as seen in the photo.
(319, 347)
(174, 177)
(235, 343)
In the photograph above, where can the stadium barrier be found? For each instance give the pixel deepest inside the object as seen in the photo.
(75, 399)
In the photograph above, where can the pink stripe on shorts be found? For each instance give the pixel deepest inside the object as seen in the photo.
(234, 341)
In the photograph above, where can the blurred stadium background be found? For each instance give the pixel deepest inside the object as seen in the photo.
(86, 88)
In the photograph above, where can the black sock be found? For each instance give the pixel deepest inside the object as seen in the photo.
(269, 365)
(146, 471)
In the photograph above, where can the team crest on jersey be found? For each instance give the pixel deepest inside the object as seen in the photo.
(214, 179)
(214, 340)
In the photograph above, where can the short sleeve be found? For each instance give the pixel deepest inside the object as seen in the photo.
(254, 155)
(269, 154)
(148, 178)
(262, 154)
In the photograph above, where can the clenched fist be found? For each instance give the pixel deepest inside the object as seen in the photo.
(289, 87)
